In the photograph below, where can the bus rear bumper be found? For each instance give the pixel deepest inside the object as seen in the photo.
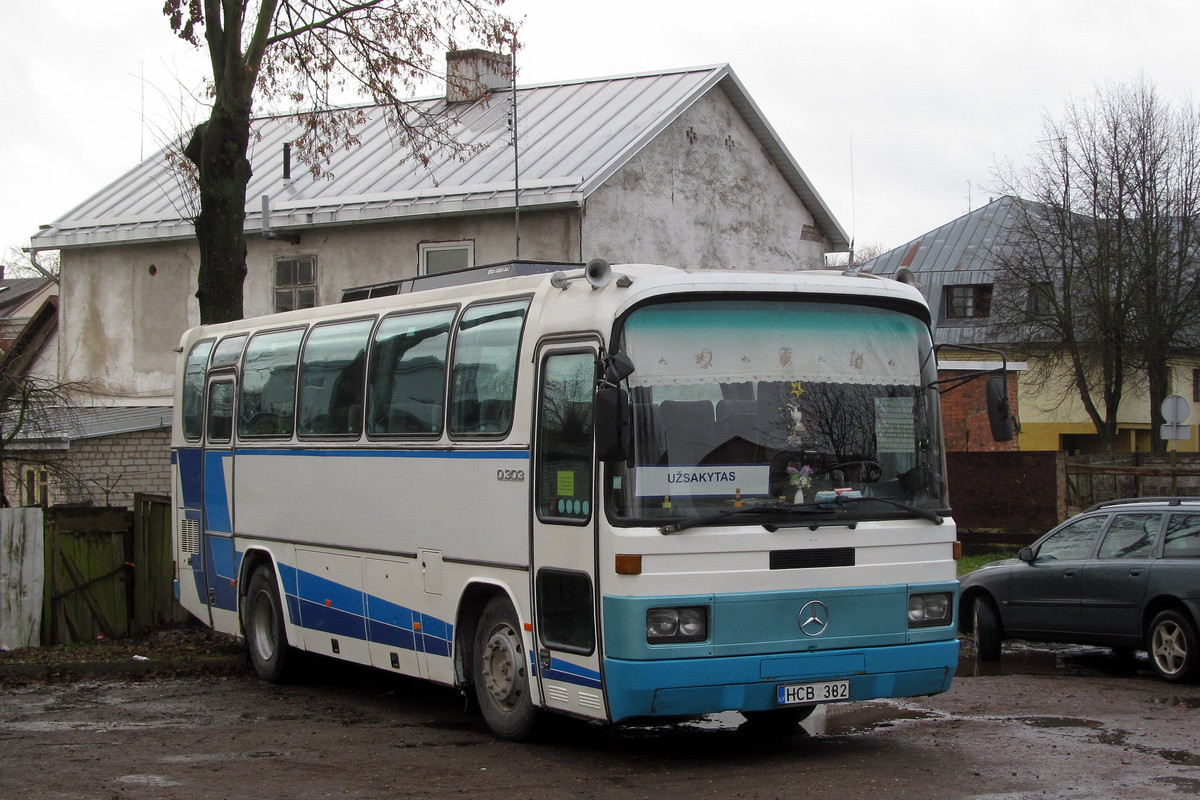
(684, 687)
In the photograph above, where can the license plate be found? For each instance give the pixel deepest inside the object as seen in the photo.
(816, 692)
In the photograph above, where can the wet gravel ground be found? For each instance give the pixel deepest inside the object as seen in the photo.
(1048, 722)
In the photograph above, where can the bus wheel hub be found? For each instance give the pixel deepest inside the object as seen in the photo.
(500, 663)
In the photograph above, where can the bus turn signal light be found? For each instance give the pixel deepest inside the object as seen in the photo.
(629, 564)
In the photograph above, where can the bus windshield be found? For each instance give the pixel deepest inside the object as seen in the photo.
(758, 404)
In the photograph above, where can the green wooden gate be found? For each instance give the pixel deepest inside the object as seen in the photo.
(108, 571)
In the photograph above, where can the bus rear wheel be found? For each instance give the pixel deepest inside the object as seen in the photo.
(501, 672)
(266, 637)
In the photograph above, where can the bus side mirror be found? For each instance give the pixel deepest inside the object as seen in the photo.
(612, 406)
(999, 413)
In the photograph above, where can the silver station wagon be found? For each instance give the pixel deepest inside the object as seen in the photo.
(1124, 574)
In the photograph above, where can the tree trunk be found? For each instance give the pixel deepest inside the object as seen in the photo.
(1158, 374)
(218, 148)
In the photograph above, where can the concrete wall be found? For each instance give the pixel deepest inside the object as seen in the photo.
(702, 194)
(125, 308)
(1050, 411)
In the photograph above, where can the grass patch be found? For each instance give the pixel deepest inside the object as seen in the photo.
(973, 562)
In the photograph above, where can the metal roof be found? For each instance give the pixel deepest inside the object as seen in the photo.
(573, 137)
(957, 253)
(57, 426)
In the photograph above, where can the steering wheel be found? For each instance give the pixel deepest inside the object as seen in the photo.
(869, 471)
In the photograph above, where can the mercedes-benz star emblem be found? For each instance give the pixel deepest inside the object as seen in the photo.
(814, 617)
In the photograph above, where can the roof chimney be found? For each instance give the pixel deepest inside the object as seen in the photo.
(470, 74)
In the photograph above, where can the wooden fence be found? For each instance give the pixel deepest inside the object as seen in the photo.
(80, 573)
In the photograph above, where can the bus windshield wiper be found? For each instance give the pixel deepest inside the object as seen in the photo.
(676, 527)
(816, 508)
(923, 513)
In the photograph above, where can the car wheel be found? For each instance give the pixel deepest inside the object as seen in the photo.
(987, 629)
(1173, 646)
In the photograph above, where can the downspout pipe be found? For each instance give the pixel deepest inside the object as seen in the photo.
(33, 254)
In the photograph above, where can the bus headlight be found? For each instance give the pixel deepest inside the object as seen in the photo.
(686, 624)
(928, 610)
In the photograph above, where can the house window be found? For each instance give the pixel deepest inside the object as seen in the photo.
(1196, 386)
(34, 485)
(965, 302)
(1040, 298)
(439, 257)
(295, 283)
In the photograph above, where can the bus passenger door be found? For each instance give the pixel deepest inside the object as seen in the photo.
(216, 539)
(565, 603)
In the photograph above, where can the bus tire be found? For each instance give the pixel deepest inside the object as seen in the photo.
(266, 636)
(501, 672)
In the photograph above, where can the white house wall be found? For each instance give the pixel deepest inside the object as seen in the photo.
(120, 323)
(702, 194)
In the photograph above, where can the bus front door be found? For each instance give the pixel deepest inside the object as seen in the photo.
(216, 541)
(564, 533)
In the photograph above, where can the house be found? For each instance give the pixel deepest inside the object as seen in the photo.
(957, 270)
(678, 166)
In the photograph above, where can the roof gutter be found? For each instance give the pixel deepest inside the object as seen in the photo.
(32, 252)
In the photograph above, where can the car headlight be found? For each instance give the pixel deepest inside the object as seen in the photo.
(928, 610)
(686, 624)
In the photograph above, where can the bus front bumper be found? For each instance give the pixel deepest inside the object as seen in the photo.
(686, 687)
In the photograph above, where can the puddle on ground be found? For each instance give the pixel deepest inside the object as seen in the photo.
(833, 719)
(1060, 722)
(1184, 758)
(1020, 658)
(1188, 785)
(1177, 702)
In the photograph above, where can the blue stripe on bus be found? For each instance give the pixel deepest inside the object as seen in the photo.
(567, 672)
(216, 499)
(307, 452)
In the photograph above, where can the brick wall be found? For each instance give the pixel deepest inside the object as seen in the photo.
(115, 467)
(102, 471)
(964, 413)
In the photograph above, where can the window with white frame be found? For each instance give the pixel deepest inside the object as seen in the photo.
(35, 483)
(965, 302)
(295, 283)
(439, 257)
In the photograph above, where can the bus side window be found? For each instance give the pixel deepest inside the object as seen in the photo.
(332, 369)
(407, 374)
(564, 444)
(268, 396)
(193, 390)
(485, 368)
(220, 412)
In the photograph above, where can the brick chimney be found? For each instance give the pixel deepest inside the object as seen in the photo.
(470, 74)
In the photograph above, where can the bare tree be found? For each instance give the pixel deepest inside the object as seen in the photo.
(1097, 267)
(300, 52)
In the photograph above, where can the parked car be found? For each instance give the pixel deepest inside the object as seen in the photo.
(1124, 574)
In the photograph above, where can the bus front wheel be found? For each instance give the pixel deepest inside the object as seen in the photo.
(501, 672)
(266, 637)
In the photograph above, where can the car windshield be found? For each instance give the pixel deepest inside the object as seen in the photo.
(760, 404)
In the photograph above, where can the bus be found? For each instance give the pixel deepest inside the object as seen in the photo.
(618, 493)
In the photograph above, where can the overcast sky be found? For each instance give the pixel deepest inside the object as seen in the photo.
(897, 111)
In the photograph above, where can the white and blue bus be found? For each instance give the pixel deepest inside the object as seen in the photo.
(614, 493)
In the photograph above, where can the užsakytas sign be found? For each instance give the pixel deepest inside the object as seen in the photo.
(749, 479)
